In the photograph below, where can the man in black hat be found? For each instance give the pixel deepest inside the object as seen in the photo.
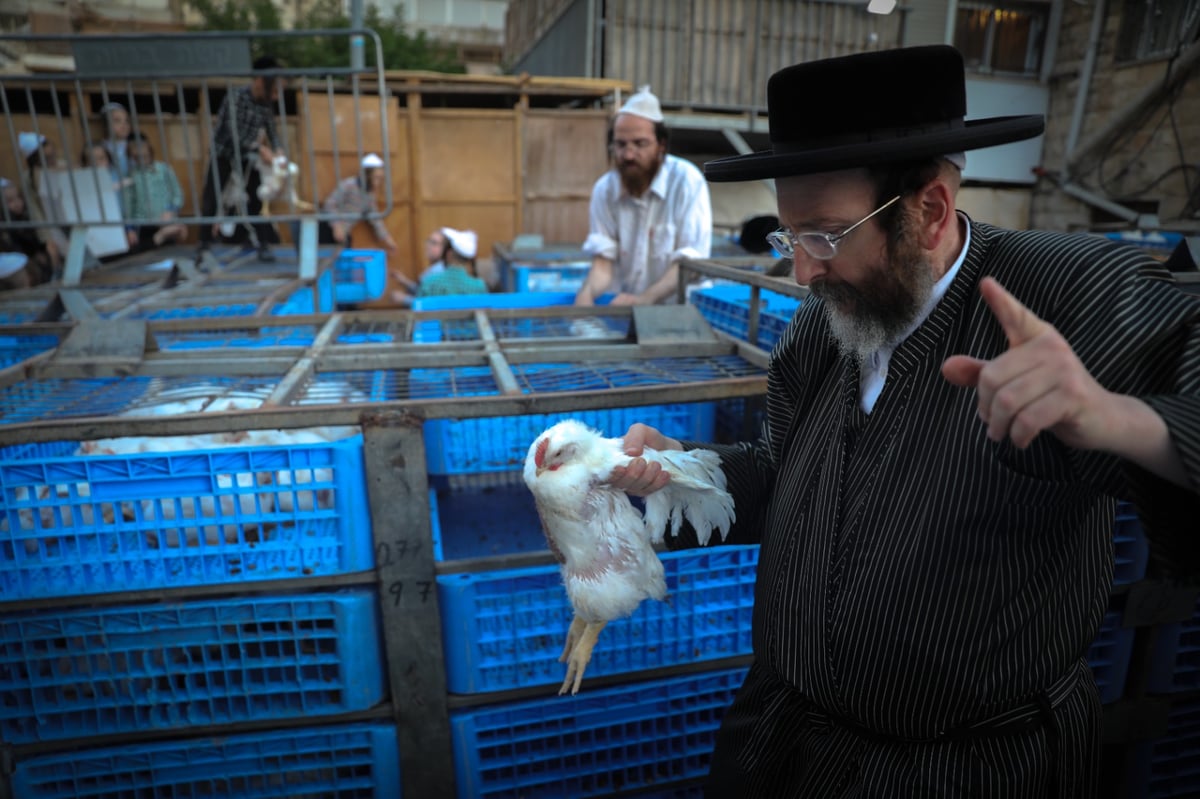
(244, 131)
(949, 420)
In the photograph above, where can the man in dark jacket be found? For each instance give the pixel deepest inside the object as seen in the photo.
(950, 418)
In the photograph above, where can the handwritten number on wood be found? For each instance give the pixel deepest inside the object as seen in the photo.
(424, 589)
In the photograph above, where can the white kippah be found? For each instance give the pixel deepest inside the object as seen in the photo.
(643, 104)
(958, 159)
(464, 242)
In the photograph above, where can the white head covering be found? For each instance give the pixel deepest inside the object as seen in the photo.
(643, 104)
(464, 242)
(110, 106)
(959, 159)
(28, 142)
(11, 262)
(371, 161)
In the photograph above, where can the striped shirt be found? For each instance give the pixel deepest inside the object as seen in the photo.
(241, 119)
(351, 198)
(916, 576)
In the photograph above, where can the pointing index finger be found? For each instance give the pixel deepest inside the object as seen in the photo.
(1019, 323)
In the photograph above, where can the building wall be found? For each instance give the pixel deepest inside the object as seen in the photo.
(1149, 152)
(693, 53)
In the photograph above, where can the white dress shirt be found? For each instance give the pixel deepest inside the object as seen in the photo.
(644, 235)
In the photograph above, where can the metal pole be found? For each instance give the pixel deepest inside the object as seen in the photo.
(356, 41)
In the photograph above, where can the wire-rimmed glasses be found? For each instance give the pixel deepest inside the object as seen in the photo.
(818, 244)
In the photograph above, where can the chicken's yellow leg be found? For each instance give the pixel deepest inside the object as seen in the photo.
(576, 630)
(581, 653)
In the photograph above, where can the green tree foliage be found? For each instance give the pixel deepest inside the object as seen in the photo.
(401, 50)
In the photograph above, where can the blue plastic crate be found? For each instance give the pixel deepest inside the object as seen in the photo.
(198, 311)
(78, 673)
(305, 301)
(690, 789)
(1169, 768)
(86, 524)
(14, 349)
(543, 257)
(499, 444)
(1109, 657)
(298, 336)
(730, 420)
(1175, 665)
(1131, 550)
(558, 278)
(358, 761)
(505, 629)
(727, 308)
(624, 738)
(1156, 241)
(360, 275)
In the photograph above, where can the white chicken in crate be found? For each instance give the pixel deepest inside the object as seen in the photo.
(604, 545)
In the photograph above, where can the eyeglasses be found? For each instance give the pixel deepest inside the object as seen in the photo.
(818, 244)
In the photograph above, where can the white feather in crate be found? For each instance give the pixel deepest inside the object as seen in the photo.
(185, 521)
(604, 545)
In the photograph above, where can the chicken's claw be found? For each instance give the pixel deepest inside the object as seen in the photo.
(581, 653)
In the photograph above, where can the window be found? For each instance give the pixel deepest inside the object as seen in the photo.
(1156, 28)
(1003, 37)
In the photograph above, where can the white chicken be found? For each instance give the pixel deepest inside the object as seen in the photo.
(601, 541)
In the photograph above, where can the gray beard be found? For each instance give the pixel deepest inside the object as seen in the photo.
(866, 330)
(856, 338)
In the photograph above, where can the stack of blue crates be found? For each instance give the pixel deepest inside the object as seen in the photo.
(76, 526)
(504, 629)
(1170, 766)
(727, 308)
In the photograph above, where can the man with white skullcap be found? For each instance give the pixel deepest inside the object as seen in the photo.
(647, 212)
(355, 197)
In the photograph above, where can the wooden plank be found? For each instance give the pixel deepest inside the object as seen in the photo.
(110, 340)
(87, 428)
(333, 120)
(402, 529)
(464, 148)
(669, 324)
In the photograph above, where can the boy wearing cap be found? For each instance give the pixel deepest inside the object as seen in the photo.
(950, 418)
(245, 128)
(647, 212)
(355, 197)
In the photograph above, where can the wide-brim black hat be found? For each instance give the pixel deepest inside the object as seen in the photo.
(869, 109)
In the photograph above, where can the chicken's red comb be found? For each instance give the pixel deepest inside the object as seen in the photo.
(539, 454)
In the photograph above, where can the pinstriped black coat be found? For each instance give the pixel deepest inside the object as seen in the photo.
(916, 576)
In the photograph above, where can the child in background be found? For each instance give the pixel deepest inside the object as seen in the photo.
(42, 257)
(455, 272)
(98, 157)
(151, 192)
(440, 251)
(117, 132)
(356, 195)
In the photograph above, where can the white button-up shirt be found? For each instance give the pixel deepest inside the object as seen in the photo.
(644, 235)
